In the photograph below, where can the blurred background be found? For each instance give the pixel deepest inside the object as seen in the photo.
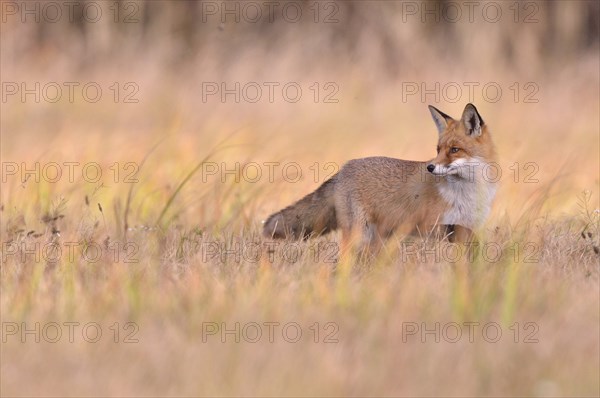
(170, 124)
(301, 81)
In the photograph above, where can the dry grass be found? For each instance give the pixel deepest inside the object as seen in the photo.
(541, 270)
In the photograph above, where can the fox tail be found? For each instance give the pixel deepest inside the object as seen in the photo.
(312, 215)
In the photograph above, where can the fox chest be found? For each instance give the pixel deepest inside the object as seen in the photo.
(468, 202)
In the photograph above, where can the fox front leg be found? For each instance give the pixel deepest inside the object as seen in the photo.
(466, 238)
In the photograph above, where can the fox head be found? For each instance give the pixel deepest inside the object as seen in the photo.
(462, 143)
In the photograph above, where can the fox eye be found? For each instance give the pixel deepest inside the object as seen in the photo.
(454, 149)
(438, 149)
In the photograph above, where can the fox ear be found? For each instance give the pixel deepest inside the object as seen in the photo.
(440, 119)
(472, 120)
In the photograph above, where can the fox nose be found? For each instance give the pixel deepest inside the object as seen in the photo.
(430, 168)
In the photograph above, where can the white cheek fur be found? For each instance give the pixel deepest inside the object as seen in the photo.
(467, 192)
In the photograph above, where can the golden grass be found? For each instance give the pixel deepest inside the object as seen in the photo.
(539, 282)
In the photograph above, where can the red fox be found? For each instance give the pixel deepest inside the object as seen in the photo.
(377, 196)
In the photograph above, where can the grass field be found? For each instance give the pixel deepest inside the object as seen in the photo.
(132, 261)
